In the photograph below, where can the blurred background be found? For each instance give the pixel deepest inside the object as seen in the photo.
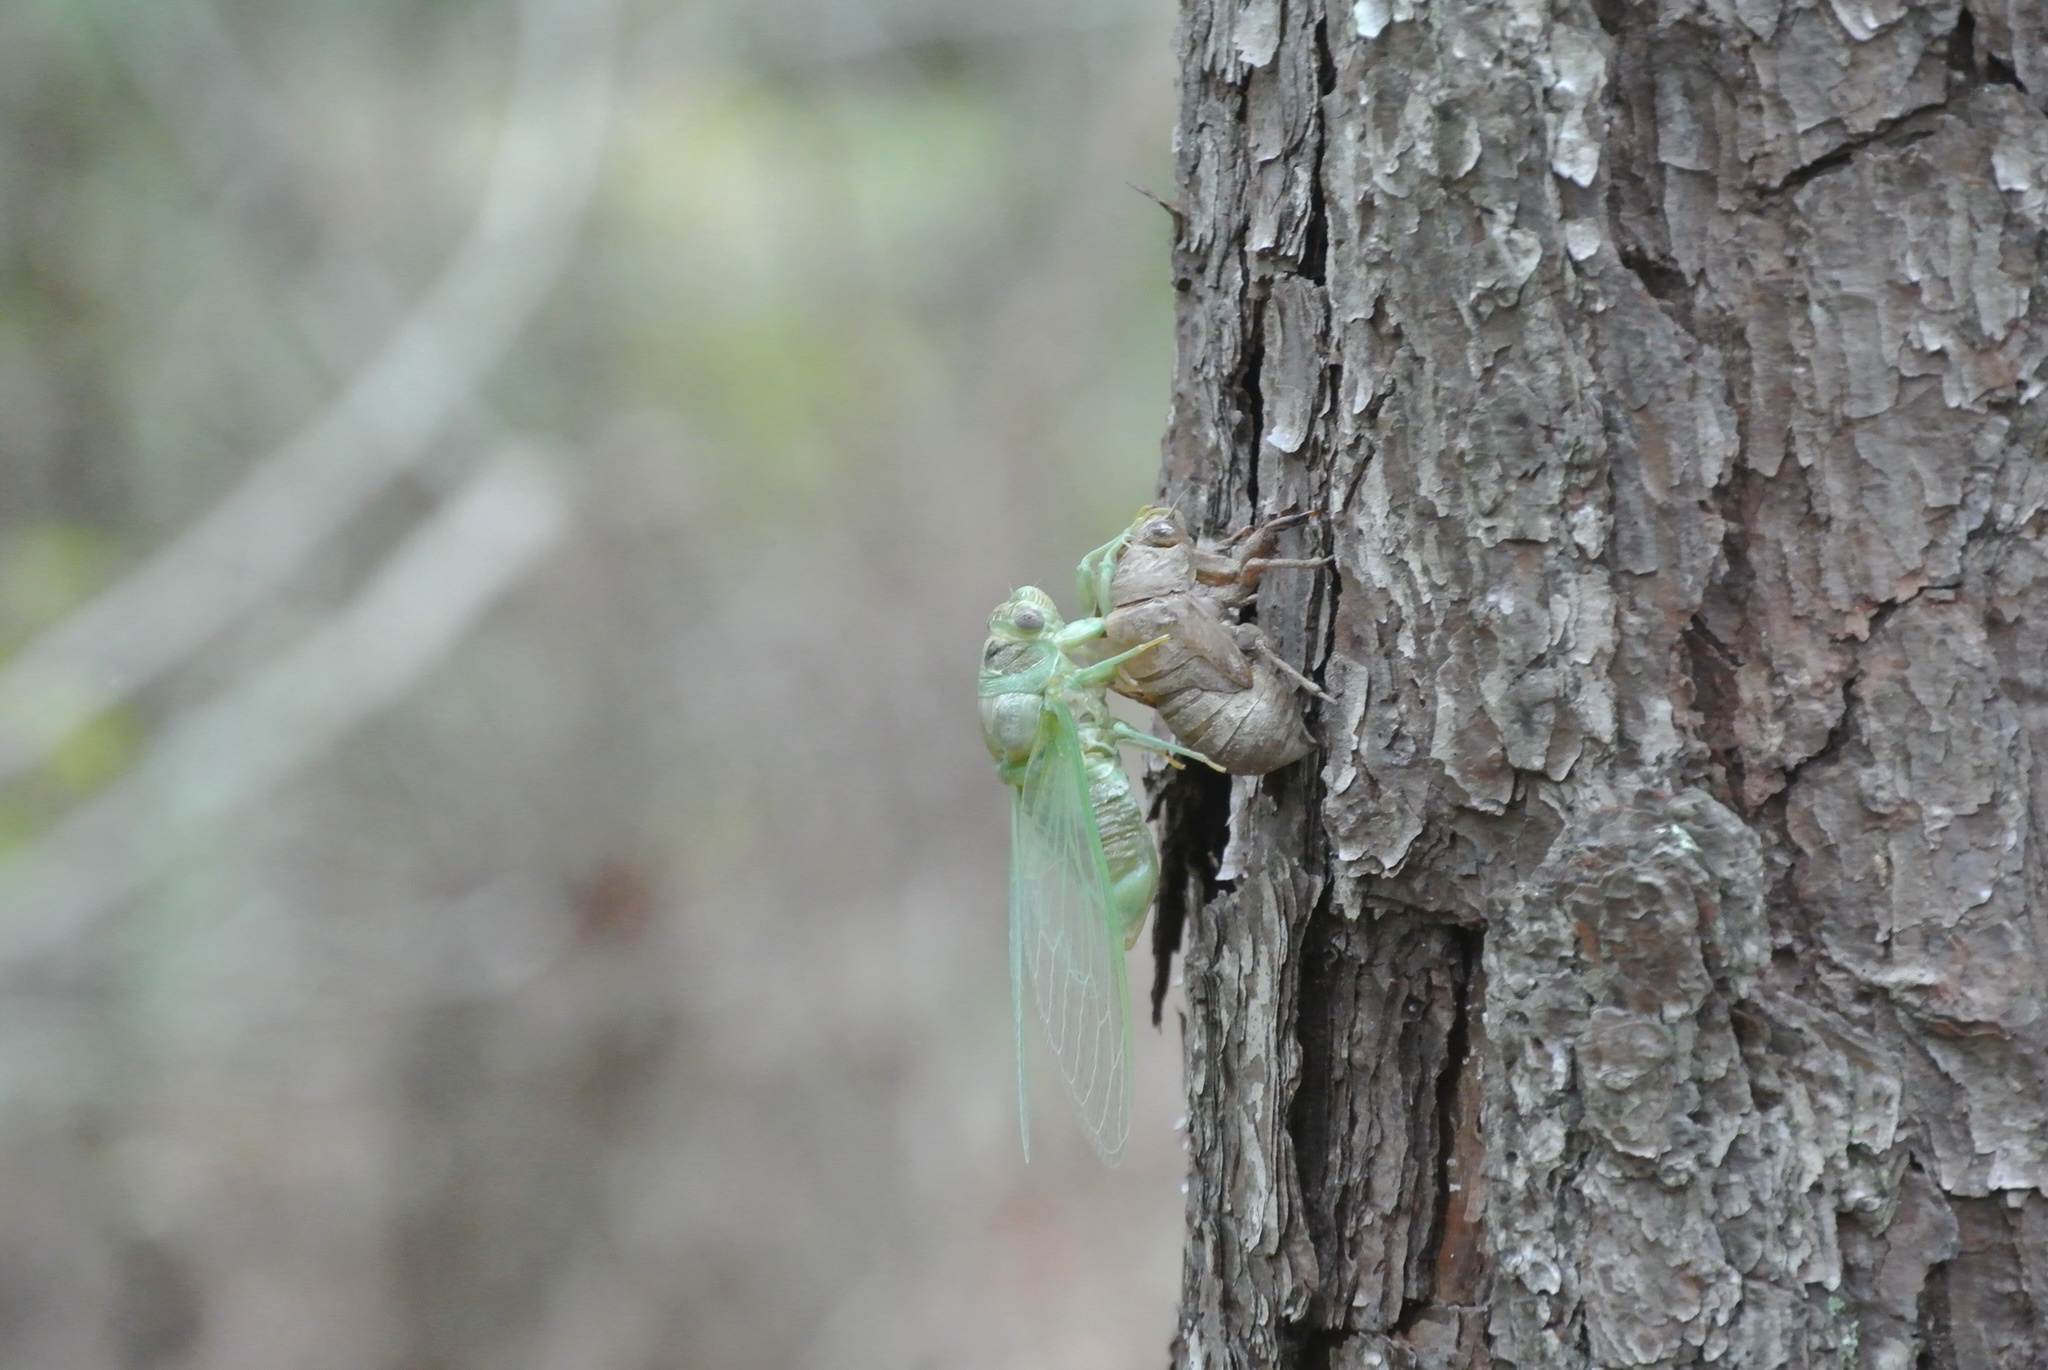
(499, 501)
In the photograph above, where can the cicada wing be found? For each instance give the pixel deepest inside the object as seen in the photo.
(1063, 937)
(1019, 838)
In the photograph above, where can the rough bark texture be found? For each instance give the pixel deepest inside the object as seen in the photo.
(1650, 969)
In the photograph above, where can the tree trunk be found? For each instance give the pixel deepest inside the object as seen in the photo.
(1650, 971)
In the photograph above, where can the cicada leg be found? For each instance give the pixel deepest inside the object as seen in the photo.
(1250, 639)
(1231, 572)
(1103, 671)
(1258, 566)
(1264, 532)
(1093, 576)
(1072, 635)
(1131, 737)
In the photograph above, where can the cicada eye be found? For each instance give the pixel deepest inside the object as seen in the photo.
(1027, 618)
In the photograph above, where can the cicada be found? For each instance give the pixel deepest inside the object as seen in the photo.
(1218, 683)
(1083, 865)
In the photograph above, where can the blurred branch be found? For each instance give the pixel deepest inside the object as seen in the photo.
(385, 421)
(285, 714)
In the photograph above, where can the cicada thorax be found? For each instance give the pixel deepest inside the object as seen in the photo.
(1234, 708)
(1014, 678)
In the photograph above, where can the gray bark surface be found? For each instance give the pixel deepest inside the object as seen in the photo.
(1649, 970)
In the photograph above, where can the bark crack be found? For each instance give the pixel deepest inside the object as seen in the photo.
(1192, 808)
(1837, 738)
(1251, 383)
(1450, 1126)
(1963, 61)
(1715, 703)
(1899, 130)
(1316, 235)
(1661, 279)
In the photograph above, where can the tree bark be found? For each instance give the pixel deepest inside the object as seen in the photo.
(1649, 971)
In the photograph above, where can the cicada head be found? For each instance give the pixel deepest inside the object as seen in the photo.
(1022, 652)
(1026, 616)
(1158, 526)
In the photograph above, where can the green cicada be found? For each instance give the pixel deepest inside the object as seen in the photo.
(1083, 865)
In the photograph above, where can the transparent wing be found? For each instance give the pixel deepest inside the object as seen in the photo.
(1062, 937)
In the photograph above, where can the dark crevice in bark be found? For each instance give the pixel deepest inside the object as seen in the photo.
(1320, 957)
(1326, 70)
(1711, 667)
(1325, 970)
(1830, 747)
(1962, 46)
(1315, 249)
(1664, 283)
(1937, 1347)
(1716, 639)
(1633, 175)
(1312, 1348)
(1820, 166)
(1192, 807)
(1329, 588)
(1450, 1124)
(1420, 1267)
(1251, 388)
(1998, 73)
(1316, 241)
(1663, 280)
(1973, 66)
